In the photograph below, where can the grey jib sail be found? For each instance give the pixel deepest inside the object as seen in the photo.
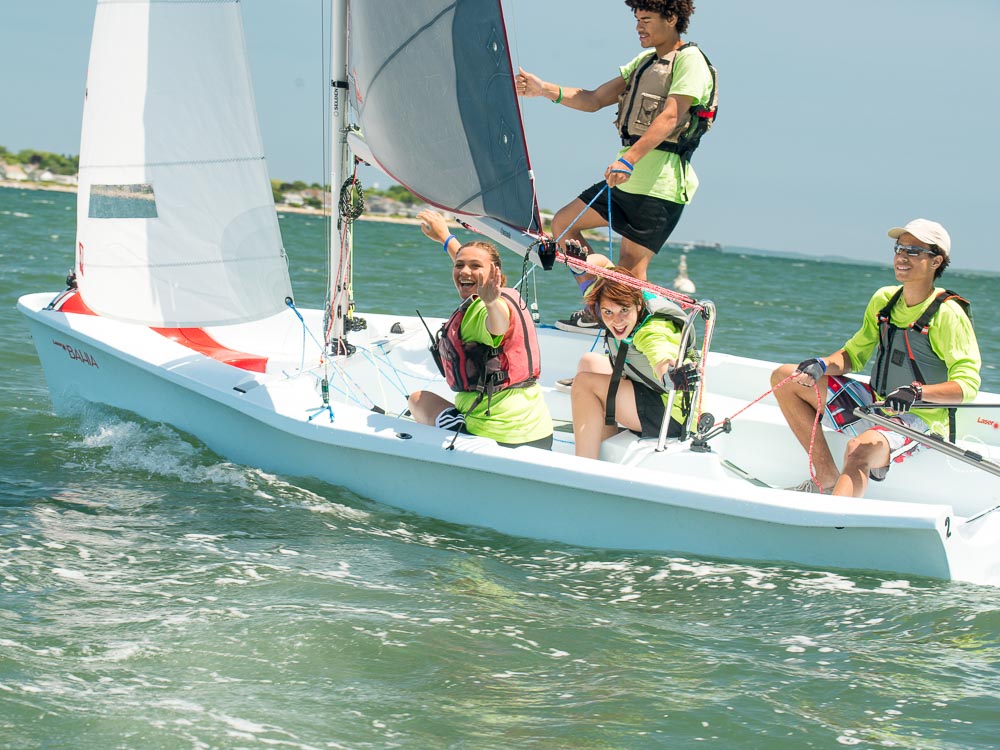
(432, 87)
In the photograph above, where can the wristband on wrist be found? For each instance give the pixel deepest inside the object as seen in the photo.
(823, 363)
(626, 163)
(918, 388)
(448, 239)
(558, 98)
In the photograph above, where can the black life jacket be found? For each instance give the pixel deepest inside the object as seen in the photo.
(905, 354)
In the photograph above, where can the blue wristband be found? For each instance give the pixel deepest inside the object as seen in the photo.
(448, 239)
(626, 163)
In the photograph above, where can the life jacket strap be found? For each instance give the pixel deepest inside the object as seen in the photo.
(616, 377)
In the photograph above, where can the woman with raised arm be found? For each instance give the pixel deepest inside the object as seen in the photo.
(487, 352)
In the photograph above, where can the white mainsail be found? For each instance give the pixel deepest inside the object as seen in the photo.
(176, 222)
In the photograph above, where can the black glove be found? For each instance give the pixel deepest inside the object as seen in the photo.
(684, 378)
(901, 399)
(574, 249)
(813, 367)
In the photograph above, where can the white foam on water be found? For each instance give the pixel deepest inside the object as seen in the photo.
(131, 445)
(76, 575)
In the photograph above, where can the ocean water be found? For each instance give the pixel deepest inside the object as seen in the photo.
(154, 595)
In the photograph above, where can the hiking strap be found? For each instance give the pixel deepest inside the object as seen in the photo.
(616, 376)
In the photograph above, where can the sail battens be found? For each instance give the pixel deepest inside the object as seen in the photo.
(124, 265)
(168, 2)
(162, 164)
(176, 220)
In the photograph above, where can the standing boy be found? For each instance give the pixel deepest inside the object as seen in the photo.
(667, 99)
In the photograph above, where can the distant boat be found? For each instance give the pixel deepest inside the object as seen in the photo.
(682, 283)
(182, 312)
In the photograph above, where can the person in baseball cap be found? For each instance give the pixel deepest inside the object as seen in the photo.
(925, 358)
(930, 233)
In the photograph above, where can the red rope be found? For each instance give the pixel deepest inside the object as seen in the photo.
(682, 299)
(815, 426)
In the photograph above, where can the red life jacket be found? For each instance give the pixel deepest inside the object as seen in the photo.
(475, 367)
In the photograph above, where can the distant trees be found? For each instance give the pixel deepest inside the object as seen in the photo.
(69, 165)
(396, 193)
(55, 163)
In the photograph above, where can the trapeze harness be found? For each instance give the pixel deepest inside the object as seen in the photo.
(645, 96)
(487, 370)
(905, 354)
(629, 361)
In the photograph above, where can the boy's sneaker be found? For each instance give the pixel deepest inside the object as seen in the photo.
(810, 486)
(580, 322)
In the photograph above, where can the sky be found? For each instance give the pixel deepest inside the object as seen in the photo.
(836, 120)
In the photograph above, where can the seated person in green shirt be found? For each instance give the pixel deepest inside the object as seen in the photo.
(925, 350)
(643, 337)
(488, 353)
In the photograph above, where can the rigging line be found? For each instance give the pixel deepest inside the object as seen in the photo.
(706, 347)
(351, 386)
(815, 425)
(682, 299)
(350, 394)
(611, 246)
(536, 212)
(812, 436)
(761, 397)
(380, 358)
(305, 329)
(325, 61)
(572, 223)
(517, 41)
(338, 279)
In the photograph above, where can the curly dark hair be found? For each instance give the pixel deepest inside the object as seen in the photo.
(944, 263)
(683, 9)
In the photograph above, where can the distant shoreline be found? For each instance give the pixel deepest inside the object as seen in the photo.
(282, 208)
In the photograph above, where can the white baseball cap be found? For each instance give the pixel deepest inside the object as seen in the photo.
(926, 231)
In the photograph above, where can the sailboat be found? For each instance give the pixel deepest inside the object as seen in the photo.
(181, 311)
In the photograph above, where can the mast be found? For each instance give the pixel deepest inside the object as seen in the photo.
(341, 240)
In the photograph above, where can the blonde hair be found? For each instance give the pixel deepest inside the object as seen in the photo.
(490, 249)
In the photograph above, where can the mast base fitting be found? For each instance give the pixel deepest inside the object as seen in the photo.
(341, 348)
(355, 323)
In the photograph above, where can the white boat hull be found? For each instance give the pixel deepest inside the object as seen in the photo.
(634, 499)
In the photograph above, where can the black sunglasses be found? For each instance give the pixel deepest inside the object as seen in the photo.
(912, 250)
